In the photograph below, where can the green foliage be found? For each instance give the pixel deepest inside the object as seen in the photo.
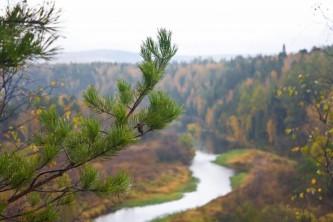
(318, 148)
(126, 94)
(57, 127)
(186, 139)
(27, 33)
(70, 198)
(237, 180)
(44, 215)
(2, 206)
(118, 184)
(90, 129)
(191, 186)
(120, 137)
(16, 170)
(34, 198)
(91, 181)
(239, 177)
(90, 178)
(162, 110)
(37, 177)
(97, 103)
(156, 55)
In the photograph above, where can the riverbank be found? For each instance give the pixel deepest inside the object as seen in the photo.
(214, 182)
(175, 193)
(241, 173)
(159, 172)
(262, 195)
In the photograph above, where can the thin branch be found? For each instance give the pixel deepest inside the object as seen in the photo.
(136, 103)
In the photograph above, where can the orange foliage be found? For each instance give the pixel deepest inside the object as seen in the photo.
(248, 82)
(200, 106)
(271, 130)
(235, 128)
(209, 117)
(274, 75)
(230, 96)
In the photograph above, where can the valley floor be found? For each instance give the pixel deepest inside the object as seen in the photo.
(269, 191)
(157, 174)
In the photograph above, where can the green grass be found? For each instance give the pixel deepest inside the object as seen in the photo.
(223, 158)
(237, 180)
(156, 200)
(189, 187)
(163, 219)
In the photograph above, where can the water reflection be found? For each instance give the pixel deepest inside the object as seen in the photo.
(214, 182)
(214, 143)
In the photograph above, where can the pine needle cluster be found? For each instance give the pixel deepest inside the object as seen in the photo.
(57, 163)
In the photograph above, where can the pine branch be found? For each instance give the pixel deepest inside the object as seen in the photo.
(88, 141)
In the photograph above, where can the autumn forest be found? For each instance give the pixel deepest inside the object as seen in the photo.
(273, 111)
(238, 139)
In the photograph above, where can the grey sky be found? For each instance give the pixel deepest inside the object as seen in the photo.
(200, 27)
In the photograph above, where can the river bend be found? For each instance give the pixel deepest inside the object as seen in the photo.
(214, 182)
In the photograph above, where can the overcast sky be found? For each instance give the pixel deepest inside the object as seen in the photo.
(200, 27)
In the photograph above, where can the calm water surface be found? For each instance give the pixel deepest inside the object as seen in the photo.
(214, 182)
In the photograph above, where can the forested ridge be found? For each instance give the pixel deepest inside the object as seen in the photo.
(245, 101)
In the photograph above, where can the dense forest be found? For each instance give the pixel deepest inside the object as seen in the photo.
(246, 102)
(268, 103)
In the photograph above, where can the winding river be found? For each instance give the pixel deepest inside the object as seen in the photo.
(214, 182)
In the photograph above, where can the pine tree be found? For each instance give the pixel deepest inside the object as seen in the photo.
(26, 35)
(56, 164)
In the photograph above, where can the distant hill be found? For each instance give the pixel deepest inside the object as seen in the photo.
(120, 57)
(97, 56)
